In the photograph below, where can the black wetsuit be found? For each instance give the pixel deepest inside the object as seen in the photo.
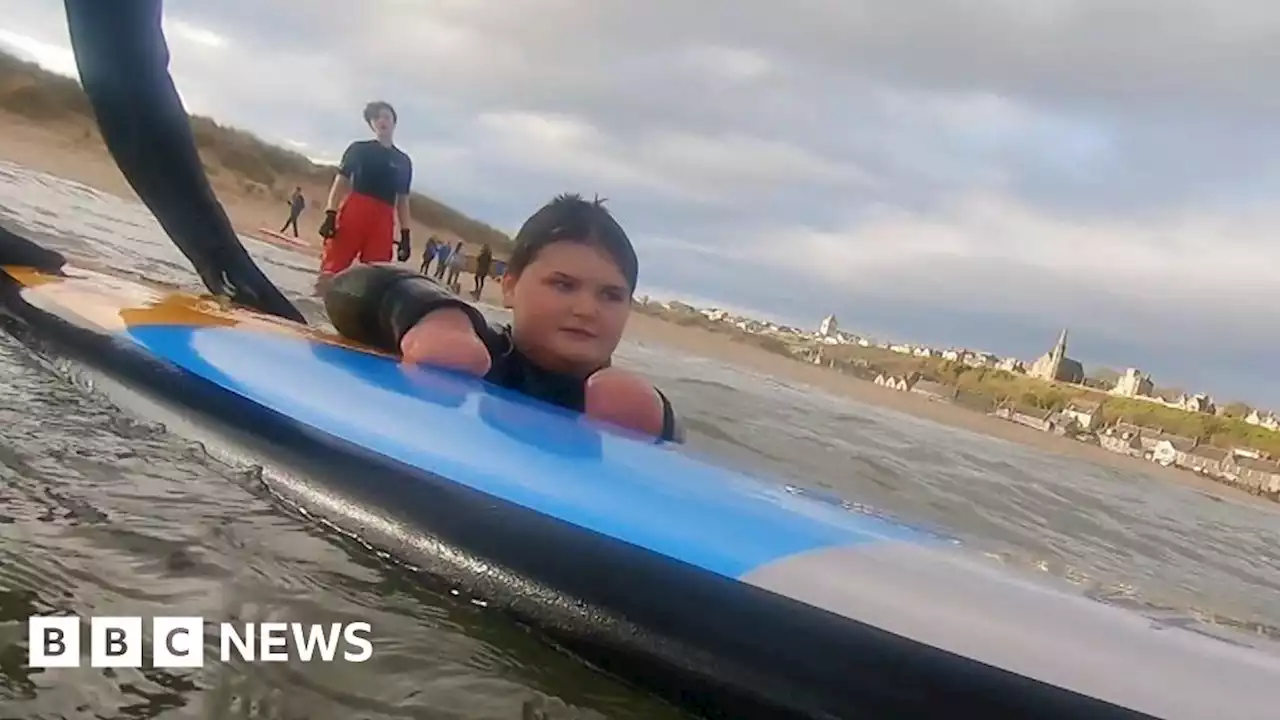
(123, 61)
(377, 304)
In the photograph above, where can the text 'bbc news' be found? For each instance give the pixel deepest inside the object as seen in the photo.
(179, 642)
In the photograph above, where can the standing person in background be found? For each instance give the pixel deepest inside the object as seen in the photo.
(442, 260)
(484, 261)
(428, 253)
(457, 263)
(369, 195)
(296, 205)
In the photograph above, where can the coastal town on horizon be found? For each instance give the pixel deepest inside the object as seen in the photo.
(1078, 414)
(1055, 365)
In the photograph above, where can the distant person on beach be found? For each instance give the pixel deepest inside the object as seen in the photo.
(442, 260)
(369, 195)
(428, 253)
(484, 262)
(457, 263)
(297, 203)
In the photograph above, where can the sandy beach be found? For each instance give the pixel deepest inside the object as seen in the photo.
(74, 151)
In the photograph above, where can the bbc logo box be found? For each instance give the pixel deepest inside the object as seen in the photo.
(54, 641)
(178, 642)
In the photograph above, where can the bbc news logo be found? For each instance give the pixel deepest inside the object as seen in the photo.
(179, 642)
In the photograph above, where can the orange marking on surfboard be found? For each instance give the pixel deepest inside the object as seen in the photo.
(115, 305)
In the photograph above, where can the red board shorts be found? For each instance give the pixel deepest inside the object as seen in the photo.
(366, 229)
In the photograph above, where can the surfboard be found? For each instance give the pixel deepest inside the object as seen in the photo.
(602, 482)
(737, 595)
(279, 237)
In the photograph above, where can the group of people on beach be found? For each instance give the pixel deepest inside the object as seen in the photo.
(452, 261)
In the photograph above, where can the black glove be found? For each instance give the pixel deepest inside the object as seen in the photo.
(404, 250)
(330, 225)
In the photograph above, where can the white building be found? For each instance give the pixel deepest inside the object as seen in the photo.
(1133, 383)
(1263, 420)
(828, 328)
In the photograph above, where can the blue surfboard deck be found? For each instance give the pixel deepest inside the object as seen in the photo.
(543, 458)
(517, 449)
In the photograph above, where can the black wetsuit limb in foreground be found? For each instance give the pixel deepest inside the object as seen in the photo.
(377, 304)
(124, 66)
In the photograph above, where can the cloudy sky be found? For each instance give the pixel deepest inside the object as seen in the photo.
(969, 172)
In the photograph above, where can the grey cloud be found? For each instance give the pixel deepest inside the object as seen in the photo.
(1145, 80)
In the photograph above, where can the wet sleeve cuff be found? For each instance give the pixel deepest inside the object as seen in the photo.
(411, 298)
(377, 304)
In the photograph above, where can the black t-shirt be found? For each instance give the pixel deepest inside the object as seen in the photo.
(376, 170)
(377, 304)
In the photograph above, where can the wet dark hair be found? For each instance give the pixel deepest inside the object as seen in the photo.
(372, 109)
(571, 218)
